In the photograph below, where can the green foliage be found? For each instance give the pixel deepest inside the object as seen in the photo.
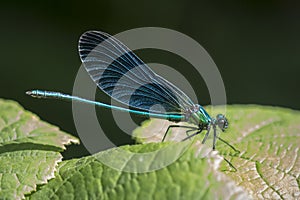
(266, 140)
(190, 177)
(269, 140)
(29, 150)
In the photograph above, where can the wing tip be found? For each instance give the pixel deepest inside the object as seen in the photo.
(89, 40)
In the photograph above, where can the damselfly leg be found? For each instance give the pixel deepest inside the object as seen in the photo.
(178, 126)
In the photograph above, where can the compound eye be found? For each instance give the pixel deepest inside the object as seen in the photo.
(221, 123)
(220, 116)
(226, 124)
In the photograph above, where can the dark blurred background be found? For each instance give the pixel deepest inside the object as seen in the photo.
(255, 44)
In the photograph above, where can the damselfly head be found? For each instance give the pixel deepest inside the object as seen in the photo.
(222, 122)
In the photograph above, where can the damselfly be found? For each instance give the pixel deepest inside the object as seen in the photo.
(118, 72)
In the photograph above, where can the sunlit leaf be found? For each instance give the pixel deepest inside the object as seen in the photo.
(29, 150)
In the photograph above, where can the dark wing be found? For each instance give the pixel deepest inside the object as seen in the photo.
(121, 74)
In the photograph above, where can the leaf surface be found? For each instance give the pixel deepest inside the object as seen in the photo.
(29, 150)
(267, 162)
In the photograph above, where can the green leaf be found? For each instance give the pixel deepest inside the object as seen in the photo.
(267, 163)
(190, 177)
(29, 150)
(268, 139)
